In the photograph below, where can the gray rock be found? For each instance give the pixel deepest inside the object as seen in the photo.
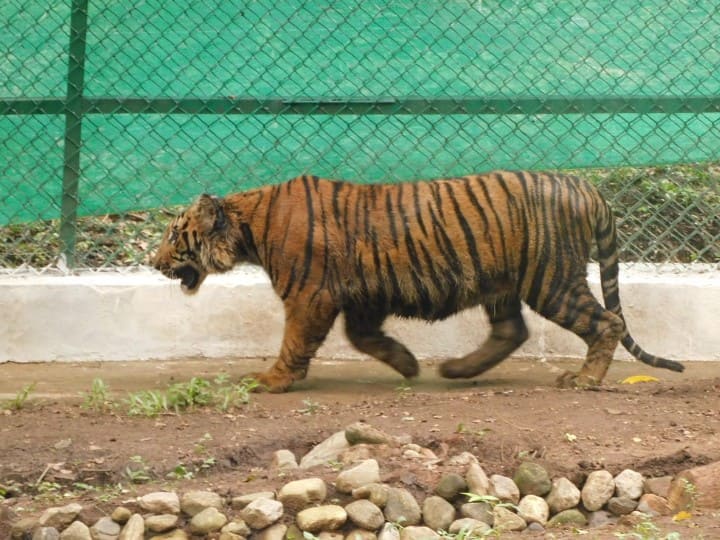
(59, 517)
(375, 493)
(479, 511)
(134, 529)
(76, 531)
(472, 527)
(600, 518)
(362, 433)
(321, 518)
(121, 515)
(572, 517)
(360, 534)
(362, 474)
(532, 479)
(105, 529)
(659, 486)
(389, 532)
(241, 501)
(437, 513)
(402, 508)
(629, 484)
(262, 513)
(237, 526)
(300, 494)
(194, 502)
(177, 534)
(208, 520)
(418, 533)
(465, 459)
(450, 486)
(161, 523)
(46, 533)
(504, 488)
(563, 495)
(328, 450)
(506, 521)
(621, 506)
(598, 489)
(476, 479)
(283, 460)
(160, 502)
(534, 527)
(273, 532)
(654, 505)
(534, 509)
(365, 514)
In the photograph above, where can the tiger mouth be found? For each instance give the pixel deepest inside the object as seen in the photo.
(189, 277)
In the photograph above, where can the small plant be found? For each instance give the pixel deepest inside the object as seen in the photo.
(137, 472)
(490, 500)
(196, 392)
(146, 403)
(647, 530)
(403, 389)
(18, 402)
(311, 407)
(181, 472)
(691, 492)
(97, 398)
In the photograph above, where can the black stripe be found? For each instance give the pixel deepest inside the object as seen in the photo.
(417, 208)
(467, 231)
(290, 282)
(391, 217)
(307, 262)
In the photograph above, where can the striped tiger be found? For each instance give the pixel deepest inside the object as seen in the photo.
(424, 249)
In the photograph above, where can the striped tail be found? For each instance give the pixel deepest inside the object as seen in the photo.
(606, 238)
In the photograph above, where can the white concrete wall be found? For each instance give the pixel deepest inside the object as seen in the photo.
(142, 315)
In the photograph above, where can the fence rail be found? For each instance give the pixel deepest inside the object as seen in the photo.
(163, 100)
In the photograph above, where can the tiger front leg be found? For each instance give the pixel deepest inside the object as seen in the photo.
(306, 326)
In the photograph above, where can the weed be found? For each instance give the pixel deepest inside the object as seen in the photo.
(311, 407)
(690, 490)
(97, 398)
(181, 472)
(647, 530)
(20, 399)
(146, 403)
(137, 471)
(490, 500)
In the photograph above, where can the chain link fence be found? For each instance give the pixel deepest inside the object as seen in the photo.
(112, 113)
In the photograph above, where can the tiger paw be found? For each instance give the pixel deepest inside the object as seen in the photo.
(570, 379)
(267, 382)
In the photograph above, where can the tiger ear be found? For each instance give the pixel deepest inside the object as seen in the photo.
(210, 213)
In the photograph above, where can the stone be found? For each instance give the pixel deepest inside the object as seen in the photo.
(479, 511)
(571, 517)
(504, 488)
(23, 527)
(450, 486)
(321, 518)
(362, 433)
(366, 472)
(262, 513)
(658, 486)
(471, 527)
(600, 518)
(360, 534)
(230, 536)
(161, 522)
(476, 479)
(563, 495)
(300, 494)
(654, 505)
(621, 506)
(273, 532)
(389, 532)
(532, 479)
(59, 517)
(506, 521)
(121, 514)
(437, 513)
(177, 534)
(160, 502)
(77, 530)
(328, 450)
(418, 533)
(365, 514)
(194, 502)
(134, 529)
(464, 459)
(629, 484)
(208, 520)
(241, 501)
(237, 527)
(598, 489)
(534, 509)
(283, 460)
(46, 533)
(294, 533)
(375, 493)
(105, 529)
(331, 535)
(402, 508)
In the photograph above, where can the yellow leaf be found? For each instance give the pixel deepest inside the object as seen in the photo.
(682, 516)
(639, 379)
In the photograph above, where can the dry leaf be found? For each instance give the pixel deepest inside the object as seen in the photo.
(639, 379)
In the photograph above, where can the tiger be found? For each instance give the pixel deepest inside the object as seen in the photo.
(424, 249)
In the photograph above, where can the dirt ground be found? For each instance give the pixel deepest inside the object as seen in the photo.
(512, 413)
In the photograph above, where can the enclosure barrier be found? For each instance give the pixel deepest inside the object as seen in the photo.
(148, 104)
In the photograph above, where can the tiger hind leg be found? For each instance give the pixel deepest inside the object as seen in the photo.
(507, 334)
(366, 335)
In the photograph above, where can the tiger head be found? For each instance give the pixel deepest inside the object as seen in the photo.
(196, 244)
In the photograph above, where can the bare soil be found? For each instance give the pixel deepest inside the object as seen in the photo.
(511, 414)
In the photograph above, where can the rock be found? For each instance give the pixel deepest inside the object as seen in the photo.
(362, 433)
(389, 532)
(194, 502)
(465, 459)
(161, 523)
(360, 534)
(241, 501)
(471, 527)
(237, 527)
(273, 532)
(532, 479)
(331, 535)
(621, 506)
(698, 487)
(46, 533)
(208, 520)
(654, 505)
(76, 531)
(402, 508)
(629, 484)
(105, 529)
(134, 529)
(506, 521)
(450, 486)
(367, 472)
(658, 486)
(283, 460)
(23, 527)
(59, 517)
(375, 493)
(600, 518)
(300, 494)
(365, 514)
(479, 511)
(160, 502)
(321, 518)
(328, 450)
(177, 534)
(437, 513)
(572, 517)
(476, 479)
(534, 527)
(563, 495)
(534, 509)
(598, 489)
(504, 488)
(262, 513)
(294, 533)
(418, 533)
(121, 515)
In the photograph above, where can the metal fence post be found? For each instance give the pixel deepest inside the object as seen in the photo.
(73, 130)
